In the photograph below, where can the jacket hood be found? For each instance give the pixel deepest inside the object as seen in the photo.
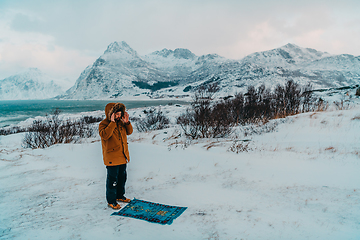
(113, 108)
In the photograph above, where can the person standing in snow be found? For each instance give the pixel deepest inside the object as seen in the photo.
(113, 131)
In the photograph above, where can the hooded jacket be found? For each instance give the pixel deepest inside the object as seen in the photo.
(114, 137)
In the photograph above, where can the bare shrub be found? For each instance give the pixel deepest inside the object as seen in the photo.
(238, 147)
(260, 104)
(320, 105)
(257, 105)
(179, 144)
(236, 106)
(341, 105)
(53, 130)
(221, 121)
(11, 130)
(287, 100)
(154, 120)
(308, 99)
(205, 119)
(91, 119)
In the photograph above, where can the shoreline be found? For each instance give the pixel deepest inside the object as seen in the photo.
(14, 112)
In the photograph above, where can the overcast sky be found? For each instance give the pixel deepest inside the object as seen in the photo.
(62, 37)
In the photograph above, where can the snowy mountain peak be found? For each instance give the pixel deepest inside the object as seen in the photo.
(29, 84)
(291, 46)
(163, 53)
(31, 71)
(119, 47)
(209, 57)
(30, 74)
(180, 53)
(288, 55)
(295, 50)
(184, 53)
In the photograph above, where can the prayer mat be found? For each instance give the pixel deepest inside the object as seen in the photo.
(151, 212)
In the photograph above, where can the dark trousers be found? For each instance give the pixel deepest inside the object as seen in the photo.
(115, 183)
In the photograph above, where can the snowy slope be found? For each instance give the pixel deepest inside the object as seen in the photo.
(29, 84)
(297, 181)
(121, 73)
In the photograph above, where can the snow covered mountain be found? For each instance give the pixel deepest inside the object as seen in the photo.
(118, 72)
(121, 73)
(29, 84)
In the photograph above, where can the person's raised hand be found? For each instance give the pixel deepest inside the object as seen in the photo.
(125, 118)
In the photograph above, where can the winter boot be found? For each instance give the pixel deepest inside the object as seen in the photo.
(115, 206)
(123, 199)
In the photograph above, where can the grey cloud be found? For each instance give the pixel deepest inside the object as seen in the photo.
(25, 23)
(202, 26)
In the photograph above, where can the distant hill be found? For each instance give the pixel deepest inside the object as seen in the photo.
(29, 84)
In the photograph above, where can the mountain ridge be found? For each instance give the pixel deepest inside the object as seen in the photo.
(121, 73)
(178, 73)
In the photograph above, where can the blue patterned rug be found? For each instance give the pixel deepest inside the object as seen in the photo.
(151, 212)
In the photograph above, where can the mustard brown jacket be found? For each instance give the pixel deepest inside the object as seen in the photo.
(114, 137)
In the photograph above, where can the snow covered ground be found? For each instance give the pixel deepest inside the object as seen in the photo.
(298, 179)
